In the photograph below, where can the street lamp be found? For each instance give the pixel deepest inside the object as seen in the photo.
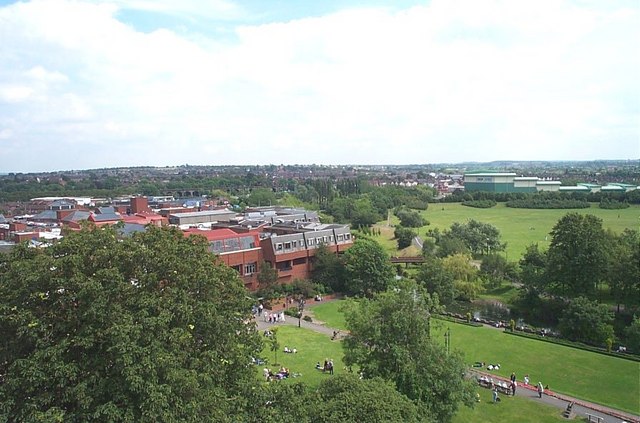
(300, 310)
(447, 340)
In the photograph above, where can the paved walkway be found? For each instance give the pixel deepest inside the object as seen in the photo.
(580, 408)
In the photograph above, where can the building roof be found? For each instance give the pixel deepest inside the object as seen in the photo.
(589, 185)
(106, 210)
(105, 217)
(46, 215)
(490, 174)
(612, 188)
(3, 219)
(526, 178)
(212, 234)
(548, 183)
(203, 213)
(76, 216)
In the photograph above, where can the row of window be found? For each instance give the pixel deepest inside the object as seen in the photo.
(247, 269)
(290, 245)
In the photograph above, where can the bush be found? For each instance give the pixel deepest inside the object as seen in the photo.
(307, 319)
(546, 203)
(480, 204)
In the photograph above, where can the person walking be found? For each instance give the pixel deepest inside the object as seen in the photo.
(495, 395)
(540, 390)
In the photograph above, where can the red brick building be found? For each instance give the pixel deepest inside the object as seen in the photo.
(292, 254)
(240, 251)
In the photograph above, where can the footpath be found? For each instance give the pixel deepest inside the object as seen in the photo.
(580, 408)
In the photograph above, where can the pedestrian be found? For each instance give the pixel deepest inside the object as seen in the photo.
(513, 387)
(513, 377)
(526, 380)
(495, 394)
(540, 390)
(331, 366)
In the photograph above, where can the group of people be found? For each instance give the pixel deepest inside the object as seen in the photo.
(508, 388)
(290, 350)
(273, 317)
(283, 373)
(327, 367)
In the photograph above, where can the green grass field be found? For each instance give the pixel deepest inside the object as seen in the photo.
(312, 347)
(522, 227)
(518, 227)
(595, 377)
(509, 409)
(315, 347)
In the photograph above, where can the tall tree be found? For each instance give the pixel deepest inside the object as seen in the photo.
(389, 337)
(587, 321)
(149, 328)
(624, 274)
(480, 238)
(533, 266)
(368, 268)
(328, 269)
(435, 278)
(577, 256)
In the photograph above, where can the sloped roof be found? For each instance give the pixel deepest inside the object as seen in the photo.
(77, 216)
(46, 215)
(105, 217)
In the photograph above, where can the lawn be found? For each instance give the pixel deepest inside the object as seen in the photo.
(509, 409)
(312, 347)
(518, 227)
(595, 377)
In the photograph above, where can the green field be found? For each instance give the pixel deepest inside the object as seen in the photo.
(312, 347)
(509, 409)
(518, 227)
(595, 377)
(315, 347)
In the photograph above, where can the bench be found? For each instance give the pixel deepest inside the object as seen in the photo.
(595, 419)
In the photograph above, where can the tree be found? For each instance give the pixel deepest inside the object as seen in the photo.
(632, 333)
(404, 236)
(434, 277)
(268, 274)
(587, 321)
(328, 269)
(577, 257)
(624, 274)
(368, 269)
(480, 238)
(274, 345)
(345, 399)
(533, 265)
(449, 245)
(465, 276)
(147, 328)
(364, 214)
(409, 218)
(497, 269)
(389, 337)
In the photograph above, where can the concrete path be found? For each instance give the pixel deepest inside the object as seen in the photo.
(580, 408)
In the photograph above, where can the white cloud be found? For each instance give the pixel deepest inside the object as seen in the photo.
(451, 81)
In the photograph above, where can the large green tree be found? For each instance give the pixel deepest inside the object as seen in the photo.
(437, 280)
(480, 238)
(587, 321)
(577, 256)
(144, 329)
(624, 274)
(389, 337)
(368, 268)
(328, 269)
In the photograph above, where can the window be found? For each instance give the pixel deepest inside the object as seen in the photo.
(247, 242)
(299, 261)
(231, 244)
(278, 247)
(310, 241)
(287, 245)
(237, 268)
(250, 268)
(217, 247)
(347, 236)
(340, 237)
(294, 244)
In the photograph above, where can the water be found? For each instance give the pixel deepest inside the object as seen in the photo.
(485, 310)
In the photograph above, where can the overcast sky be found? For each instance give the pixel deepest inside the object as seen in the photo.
(90, 84)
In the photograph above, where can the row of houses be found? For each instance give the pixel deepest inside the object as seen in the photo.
(285, 239)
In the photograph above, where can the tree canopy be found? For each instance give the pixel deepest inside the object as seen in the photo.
(390, 338)
(143, 329)
(368, 268)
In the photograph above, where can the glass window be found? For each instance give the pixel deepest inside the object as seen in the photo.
(247, 242)
(231, 244)
(278, 247)
(217, 247)
(287, 245)
(250, 268)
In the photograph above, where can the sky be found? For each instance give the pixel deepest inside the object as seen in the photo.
(92, 84)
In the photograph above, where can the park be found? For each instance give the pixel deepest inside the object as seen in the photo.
(593, 377)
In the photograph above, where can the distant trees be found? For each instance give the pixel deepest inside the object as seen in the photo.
(473, 236)
(404, 236)
(409, 218)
